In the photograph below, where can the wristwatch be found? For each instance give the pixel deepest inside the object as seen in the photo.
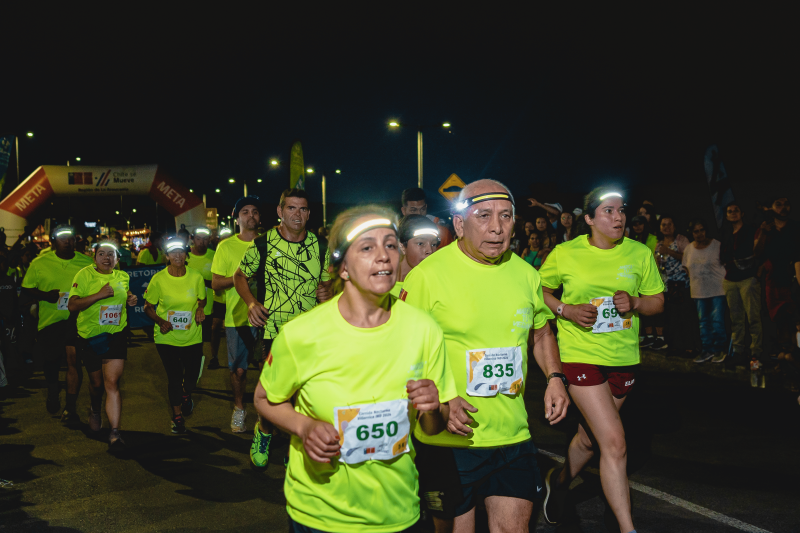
(560, 309)
(562, 377)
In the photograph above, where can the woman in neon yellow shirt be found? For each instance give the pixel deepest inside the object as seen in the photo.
(180, 295)
(99, 294)
(419, 238)
(609, 281)
(362, 383)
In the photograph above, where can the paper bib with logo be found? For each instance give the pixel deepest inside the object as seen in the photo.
(372, 431)
(63, 301)
(110, 315)
(180, 319)
(494, 370)
(608, 319)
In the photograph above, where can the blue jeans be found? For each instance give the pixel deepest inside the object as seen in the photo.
(711, 312)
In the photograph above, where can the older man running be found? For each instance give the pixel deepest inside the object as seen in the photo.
(487, 300)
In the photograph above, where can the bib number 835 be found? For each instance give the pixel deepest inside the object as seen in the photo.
(362, 432)
(610, 313)
(498, 371)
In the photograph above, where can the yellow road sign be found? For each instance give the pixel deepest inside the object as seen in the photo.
(452, 181)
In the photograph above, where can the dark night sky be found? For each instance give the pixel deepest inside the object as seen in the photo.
(537, 100)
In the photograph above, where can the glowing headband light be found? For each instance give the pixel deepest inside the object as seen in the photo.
(202, 231)
(64, 232)
(338, 255)
(173, 246)
(606, 195)
(426, 231)
(225, 231)
(467, 202)
(109, 245)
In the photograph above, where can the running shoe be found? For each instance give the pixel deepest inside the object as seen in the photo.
(647, 341)
(115, 440)
(703, 357)
(95, 422)
(659, 344)
(53, 404)
(187, 407)
(554, 499)
(69, 418)
(237, 420)
(214, 365)
(178, 425)
(720, 357)
(259, 450)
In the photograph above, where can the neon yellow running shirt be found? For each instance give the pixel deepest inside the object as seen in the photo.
(202, 263)
(176, 298)
(109, 315)
(47, 273)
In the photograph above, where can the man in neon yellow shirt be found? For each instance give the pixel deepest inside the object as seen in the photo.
(241, 336)
(201, 258)
(48, 280)
(487, 300)
(286, 266)
(152, 254)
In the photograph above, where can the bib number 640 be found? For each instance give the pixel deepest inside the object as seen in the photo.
(363, 432)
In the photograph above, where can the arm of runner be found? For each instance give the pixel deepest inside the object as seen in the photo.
(200, 314)
(456, 416)
(76, 303)
(424, 397)
(47, 296)
(320, 439)
(646, 305)
(220, 283)
(584, 314)
(324, 291)
(163, 325)
(132, 299)
(256, 312)
(545, 351)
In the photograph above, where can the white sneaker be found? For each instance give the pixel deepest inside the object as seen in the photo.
(237, 420)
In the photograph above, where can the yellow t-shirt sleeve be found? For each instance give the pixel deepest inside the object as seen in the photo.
(651, 277)
(218, 263)
(541, 313)
(200, 287)
(416, 291)
(153, 292)
(79, 285)
(280, 377)
(438, 370)
(549, 271)
(249, 263)
(31, 279)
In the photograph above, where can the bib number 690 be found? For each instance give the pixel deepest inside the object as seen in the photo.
(362, 432)
(610, 313)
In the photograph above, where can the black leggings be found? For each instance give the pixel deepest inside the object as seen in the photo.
(182, 364)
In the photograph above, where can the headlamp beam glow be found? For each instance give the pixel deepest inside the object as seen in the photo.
(426, 231)
(608, 194)
(64, 232)
(467, 202)
(368, 224)
(109, 245)
(202, 231)
(176, 246)
(225, 231)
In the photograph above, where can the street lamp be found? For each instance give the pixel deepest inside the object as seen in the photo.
(16, 147)
(324, 194)
(244, 183)
(395, 124)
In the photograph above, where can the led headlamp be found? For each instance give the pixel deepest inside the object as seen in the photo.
(337, 256)
(472, 200)
(225, 231)
(63, 232)
(594, 205)
(426, 231)
(202, 231)
(175, 246)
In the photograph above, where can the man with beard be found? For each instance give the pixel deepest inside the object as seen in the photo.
(290, 274)
(241, 336)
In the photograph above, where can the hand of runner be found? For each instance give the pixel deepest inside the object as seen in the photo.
(584, 314)
(532, 202)
(324, 292)
(556, 401)
(423, 394)
(457, 423)
(164, 326)
(132, 299)
(105, 292)
(52, 296)
(320, 440)
(257, 314)
(624, 302)
(199, 315)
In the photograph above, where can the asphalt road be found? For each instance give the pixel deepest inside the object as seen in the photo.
(705, 451)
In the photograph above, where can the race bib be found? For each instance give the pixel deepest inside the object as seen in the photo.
(494, 370)
(180, 319)
(110, 315)
(608, 319)
(372, 431)
(63, 301)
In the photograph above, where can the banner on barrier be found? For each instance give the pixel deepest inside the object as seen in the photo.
(140, 279)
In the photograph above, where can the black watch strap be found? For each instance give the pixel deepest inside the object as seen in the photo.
(562, 377)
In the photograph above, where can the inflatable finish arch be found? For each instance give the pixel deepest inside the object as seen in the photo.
(47, 180)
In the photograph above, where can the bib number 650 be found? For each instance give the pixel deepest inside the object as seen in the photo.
(362, 432)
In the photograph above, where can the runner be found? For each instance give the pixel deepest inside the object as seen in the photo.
(419, 238)
(151, 254)
(486, 299)
(609, 282)
(414, 202)
(180, 295)
(286, 265)
(201, 258)
(240, 335)
(48, 281)
(350, 362)
(99, 294)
